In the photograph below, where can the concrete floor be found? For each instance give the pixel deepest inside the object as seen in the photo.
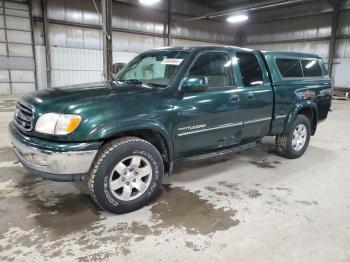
(250, 206)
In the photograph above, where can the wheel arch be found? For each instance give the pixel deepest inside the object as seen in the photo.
(307, 108)
(153, 136)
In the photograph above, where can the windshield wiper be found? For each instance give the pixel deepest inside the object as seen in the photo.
(129, 81)
(137, 82)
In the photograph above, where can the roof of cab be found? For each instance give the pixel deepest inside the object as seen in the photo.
(221, 47)
(290, 54)
(199, 48)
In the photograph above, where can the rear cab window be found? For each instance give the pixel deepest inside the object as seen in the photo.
(311, 68)
(299, 68)
(289, 67)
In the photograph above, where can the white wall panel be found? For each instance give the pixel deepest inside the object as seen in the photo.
(314, 47)
(75, 37)
(22, 88)
(15, 12)
(19, 23)
(20, 50)
(2, 35)
(341, 70)
(291, 29)
(4, 76)
(3, 49)
(74, 66)
(5, 88)
(40, 61)
(127, 42)
(14, 5)
(92, 38)
(179, 42)
(64, 78)
(26, 76)
(2, 24)
(343, 48)
(19, 37)
(38, 33)
(123, 57)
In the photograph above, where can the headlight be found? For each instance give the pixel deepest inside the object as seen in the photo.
(57, 124)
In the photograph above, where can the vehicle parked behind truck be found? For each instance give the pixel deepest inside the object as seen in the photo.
(120, 137)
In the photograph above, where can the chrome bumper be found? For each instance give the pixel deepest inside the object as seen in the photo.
(57, 163)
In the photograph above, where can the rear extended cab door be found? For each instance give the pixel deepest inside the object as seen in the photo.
(257, 94)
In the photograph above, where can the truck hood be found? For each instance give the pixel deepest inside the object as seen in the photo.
(69, 99)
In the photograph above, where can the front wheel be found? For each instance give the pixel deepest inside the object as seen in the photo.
(294, 143)
(126, 175)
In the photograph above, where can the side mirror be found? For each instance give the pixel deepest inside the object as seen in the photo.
(194, 84)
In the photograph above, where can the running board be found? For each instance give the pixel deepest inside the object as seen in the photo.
(225, 151)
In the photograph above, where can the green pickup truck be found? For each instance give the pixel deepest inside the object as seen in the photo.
(120, 137)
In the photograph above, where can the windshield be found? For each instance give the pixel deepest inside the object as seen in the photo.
(153, 68)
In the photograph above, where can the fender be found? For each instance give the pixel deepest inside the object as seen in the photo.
(110, 131)
(300, 105)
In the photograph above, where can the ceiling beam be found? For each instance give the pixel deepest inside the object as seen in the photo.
(249, 7)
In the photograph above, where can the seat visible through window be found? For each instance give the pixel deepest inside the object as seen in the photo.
(216, 67)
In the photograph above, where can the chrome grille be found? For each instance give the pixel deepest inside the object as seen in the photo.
(24, 116)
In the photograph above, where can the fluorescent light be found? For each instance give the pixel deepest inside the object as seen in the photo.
(233, 61)
(149, 2)
(310, 64)
(237, 18)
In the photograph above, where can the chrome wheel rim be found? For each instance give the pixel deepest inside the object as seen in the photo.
(299, 137)
(130, 178)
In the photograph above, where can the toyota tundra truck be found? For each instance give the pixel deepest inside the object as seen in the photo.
(121, 136)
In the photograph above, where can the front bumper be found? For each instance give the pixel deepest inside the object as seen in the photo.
(55, 162)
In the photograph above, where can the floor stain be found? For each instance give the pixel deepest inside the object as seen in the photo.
(233, 186)
(264, 163)
(180, 208)
(253, 193)
(211, 188)
(197, 247)
(307, 203)
(285, 190)
(50, 216)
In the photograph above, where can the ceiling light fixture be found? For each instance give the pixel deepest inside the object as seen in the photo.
(237, 18)
(149, 2)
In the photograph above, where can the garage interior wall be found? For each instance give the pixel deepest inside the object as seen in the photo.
(310, 33)
(75, 37)
(17, 68)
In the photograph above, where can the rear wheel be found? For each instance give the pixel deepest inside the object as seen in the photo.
(294, 143)
(126, 175)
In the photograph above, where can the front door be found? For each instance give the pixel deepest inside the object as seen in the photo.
(210, 119)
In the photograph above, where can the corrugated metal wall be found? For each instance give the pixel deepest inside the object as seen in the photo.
(305, 34)
(75, 37)
(17, 68)
(341, 66)
(309, 34)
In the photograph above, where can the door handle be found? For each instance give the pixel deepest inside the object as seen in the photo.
(234, 98)
(250, 95)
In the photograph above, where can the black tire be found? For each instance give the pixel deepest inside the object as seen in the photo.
(284, 142)
(108, 157)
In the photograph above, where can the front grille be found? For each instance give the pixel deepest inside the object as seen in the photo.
(24, 116)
